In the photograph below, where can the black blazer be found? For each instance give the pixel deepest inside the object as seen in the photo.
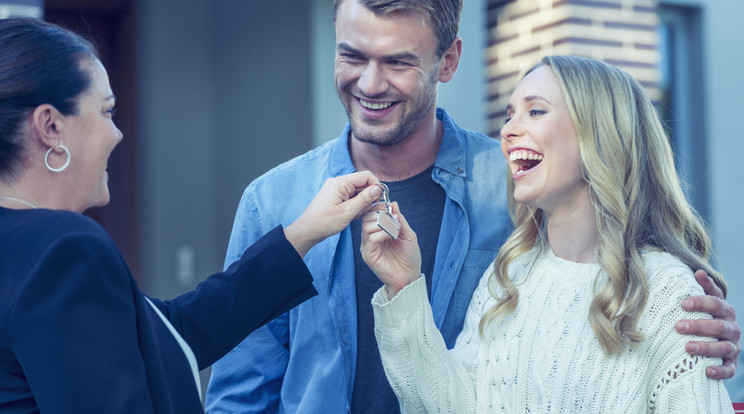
(78, 336)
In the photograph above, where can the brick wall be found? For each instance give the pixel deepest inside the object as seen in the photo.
(520, 32)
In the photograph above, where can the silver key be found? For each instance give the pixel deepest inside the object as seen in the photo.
(388, 223)
(385, 219)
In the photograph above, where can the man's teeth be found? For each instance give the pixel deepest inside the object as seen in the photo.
(525, 155)
(375, 106)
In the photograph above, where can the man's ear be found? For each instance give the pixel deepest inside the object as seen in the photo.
(48, 124)
(450, 60)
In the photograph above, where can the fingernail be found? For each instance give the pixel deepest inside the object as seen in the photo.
(682, 327)
(687, 304)
(376, 191)
(713, 372)
(692, 348)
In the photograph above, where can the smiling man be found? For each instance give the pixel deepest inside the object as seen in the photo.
(450, 183)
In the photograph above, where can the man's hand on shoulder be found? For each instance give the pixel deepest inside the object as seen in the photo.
(723, 327)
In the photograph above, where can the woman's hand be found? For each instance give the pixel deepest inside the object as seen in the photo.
(395, 262)
(340, 200)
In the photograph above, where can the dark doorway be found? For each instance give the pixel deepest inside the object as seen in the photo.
(111, 26)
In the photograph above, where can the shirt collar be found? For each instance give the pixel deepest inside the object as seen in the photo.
(452, 151)
(340, 161)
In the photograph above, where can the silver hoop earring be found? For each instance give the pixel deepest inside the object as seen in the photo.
(62, 168)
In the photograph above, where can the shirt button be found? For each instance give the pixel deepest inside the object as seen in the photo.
(459, 170)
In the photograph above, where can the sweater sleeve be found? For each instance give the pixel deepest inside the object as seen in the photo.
(681, 384)
(425, 376)
(686, 389)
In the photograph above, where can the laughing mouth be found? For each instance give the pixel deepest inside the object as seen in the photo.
(525, 159)
(374, 105)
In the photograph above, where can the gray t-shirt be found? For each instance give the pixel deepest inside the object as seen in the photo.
(421, 201)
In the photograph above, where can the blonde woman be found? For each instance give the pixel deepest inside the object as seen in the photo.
(577, 312)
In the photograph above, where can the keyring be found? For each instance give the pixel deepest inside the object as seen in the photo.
(386, 198)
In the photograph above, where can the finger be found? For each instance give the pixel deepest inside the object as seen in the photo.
(710, 304)
(373, 239)
(726, 350)
(361, 179)
(708, 285)
(365, 198)
(719, 349)
(370, 210)
(406, 231)
(354, 204)
(712, 328)
(725, 371)
(349, 185)
(378, 236)
(369, 217)
(369, 225)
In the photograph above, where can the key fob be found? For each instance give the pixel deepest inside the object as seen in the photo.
(388, 223)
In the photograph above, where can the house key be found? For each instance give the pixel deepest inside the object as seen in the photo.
(385, 219)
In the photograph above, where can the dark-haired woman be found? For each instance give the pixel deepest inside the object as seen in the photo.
(76, 334)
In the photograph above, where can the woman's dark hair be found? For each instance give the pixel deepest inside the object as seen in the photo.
(39, 64)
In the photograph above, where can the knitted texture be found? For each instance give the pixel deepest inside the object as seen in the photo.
(544, 357)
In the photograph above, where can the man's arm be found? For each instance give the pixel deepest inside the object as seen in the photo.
(723, 327)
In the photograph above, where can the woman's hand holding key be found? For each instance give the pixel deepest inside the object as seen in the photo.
(395, 262)
(340, 200)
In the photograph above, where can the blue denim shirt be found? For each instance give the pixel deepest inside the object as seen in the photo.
(304, 361)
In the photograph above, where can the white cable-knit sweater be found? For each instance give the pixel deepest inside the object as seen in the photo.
(544, 357)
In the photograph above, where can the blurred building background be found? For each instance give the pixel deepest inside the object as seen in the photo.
(211, 94)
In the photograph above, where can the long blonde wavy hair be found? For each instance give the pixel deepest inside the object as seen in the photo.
(637, 195)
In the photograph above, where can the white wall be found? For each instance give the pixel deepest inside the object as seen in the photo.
(724, 84)
(722, 108)
(723, 37)
(224, 92)
(177, 172)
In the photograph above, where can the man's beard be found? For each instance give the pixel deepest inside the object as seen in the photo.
(367, 131)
